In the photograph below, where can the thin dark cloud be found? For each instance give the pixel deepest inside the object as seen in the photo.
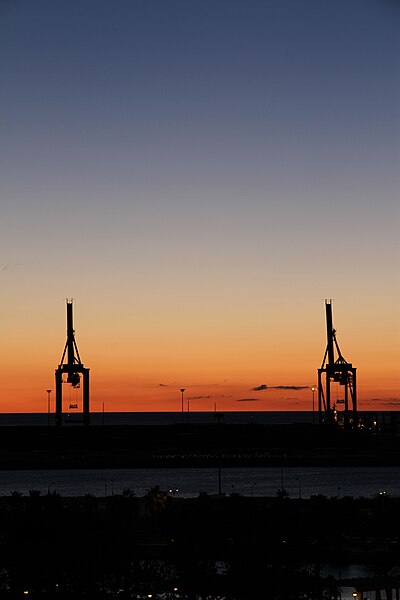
(263, 386)
(199, 397)
(248, 400)
(291, 387)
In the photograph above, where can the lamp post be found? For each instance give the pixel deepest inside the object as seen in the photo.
(313, 389)
(182, 390)
(382, 497)
(48, 406)
(299, 485)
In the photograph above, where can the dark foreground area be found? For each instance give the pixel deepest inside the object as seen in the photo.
(227, 547)
(180, 445)
(203, 548)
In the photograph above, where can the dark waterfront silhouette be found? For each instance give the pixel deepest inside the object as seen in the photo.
(211, 546)
(208, 547)
(202, 445)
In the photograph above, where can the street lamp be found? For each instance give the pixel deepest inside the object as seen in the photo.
(48, 406)
(299, 484)
(182, 390)
(313, 389)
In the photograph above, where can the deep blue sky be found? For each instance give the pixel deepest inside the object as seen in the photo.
(205, 161)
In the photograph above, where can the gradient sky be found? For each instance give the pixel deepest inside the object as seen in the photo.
(199, 176)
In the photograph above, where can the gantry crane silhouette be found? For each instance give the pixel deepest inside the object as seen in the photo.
(74, 368)
(336, 370)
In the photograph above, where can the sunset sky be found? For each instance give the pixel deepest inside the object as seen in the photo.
(199, 175)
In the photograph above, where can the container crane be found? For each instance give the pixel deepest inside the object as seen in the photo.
(336, 370)
(73, 368)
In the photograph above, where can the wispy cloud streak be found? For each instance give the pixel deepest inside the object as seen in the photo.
(263, 386)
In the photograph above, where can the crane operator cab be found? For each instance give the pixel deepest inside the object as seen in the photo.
(74, 379)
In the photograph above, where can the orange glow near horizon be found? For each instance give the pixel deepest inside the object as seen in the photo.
(134, 395)
(140, 366)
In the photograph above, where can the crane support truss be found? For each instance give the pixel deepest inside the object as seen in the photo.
(73, 368)
(336, 370)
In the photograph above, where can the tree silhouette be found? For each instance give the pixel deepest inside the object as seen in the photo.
(155, 500)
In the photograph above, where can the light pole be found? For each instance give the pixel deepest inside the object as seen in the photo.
(313, 389)
(299, 485)
(182, 390)
(48, 406)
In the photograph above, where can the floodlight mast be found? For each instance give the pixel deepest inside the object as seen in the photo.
(73, 368)
(339, 371)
